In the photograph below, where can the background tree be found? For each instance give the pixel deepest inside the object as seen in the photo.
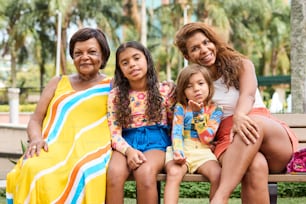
(43, 31)
(16, 16)
(259, 29)
(298, 56)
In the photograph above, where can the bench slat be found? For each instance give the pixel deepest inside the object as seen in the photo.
(300, 133)
(287, 177)
(302, 145)
(293, 119)
(272, 178)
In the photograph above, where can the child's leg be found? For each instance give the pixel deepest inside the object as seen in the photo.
(117, 174)
(212, 171)
(175, 174)
(145, 176)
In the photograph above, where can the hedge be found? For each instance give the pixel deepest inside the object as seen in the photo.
(201, 190)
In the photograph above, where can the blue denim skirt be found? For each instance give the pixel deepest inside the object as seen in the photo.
(148, 137)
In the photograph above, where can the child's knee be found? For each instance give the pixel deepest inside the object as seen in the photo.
(175, 171)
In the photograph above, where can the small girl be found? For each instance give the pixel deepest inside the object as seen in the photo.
(196, 120)
(139, 111)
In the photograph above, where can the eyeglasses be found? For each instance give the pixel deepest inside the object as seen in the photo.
(77, 55)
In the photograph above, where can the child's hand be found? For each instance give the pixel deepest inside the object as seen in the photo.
(178, 158)
(135, 158)
(195, 107)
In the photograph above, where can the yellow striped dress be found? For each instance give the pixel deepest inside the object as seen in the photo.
(74, 168)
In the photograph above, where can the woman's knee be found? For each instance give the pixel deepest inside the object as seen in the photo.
(31, 166)
(259, 164)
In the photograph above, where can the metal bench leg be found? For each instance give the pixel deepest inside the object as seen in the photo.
(273, 192)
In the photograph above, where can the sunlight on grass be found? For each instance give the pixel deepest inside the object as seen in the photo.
(205, 201)
(300, 200)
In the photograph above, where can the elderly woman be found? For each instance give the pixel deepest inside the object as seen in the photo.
(69, 139)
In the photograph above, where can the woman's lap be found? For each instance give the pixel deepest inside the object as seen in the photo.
(278, 144)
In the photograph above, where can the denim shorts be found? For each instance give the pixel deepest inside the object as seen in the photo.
(148, 137)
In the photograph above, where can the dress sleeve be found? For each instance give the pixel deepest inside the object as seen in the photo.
(207, 123)
(178, 129)
(118, 142)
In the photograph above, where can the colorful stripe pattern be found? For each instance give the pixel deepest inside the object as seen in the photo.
(74, 169)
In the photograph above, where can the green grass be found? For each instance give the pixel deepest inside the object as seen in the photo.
(299, 200)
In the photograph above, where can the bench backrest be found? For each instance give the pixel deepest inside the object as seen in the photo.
(297, 122)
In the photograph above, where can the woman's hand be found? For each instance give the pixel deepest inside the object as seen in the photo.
(245, 127)
(35, 147)
(178, 158)
(135, 158)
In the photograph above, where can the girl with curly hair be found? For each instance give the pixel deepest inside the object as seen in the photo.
(140, 111)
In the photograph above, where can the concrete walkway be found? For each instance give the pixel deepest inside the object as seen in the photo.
(23, 117)
(5, 164)
(11, 136)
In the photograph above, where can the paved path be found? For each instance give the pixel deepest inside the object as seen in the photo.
(23, 118)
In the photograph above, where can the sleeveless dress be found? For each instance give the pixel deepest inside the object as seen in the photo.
(78, 137)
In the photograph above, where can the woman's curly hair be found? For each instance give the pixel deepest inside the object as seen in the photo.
(228, 61)
(122, 100)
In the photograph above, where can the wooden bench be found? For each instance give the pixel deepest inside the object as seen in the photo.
(298, 124)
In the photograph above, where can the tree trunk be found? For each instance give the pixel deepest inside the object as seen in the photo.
(298, 56)
(13, 68)
(143, 35)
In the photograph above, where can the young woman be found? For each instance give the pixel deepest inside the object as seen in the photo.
(195, 123)
(251, 142)
(140, 110)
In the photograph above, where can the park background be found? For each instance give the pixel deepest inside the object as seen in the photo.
(34, 35)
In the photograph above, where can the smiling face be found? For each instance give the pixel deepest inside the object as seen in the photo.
(87, 57)
(197, 89)
(133, 64)
(201, 50)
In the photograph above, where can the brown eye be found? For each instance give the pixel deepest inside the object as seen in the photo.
(77, 54)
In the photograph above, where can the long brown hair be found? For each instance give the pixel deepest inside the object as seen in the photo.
(228, 61)
(183, 81)
(122, 101)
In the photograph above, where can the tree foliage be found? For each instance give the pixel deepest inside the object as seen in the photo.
(259, 29)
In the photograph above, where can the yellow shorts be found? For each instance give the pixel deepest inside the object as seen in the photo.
(195, 152)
